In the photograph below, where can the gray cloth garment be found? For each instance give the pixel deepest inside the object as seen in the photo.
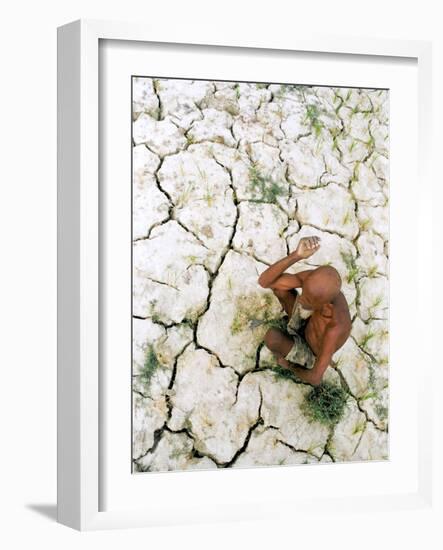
(300, 353)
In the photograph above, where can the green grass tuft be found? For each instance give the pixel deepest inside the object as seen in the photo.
(377, 302)
(283, 372)
(312, 117)
(356, 171)
(285, 89)
(264, 188)
(255, 310)
(347, 217)
(368, 336)
(325, 404)
(351, 265)
(358, 428)
(382, 411)
(150, 365)
(365, 224)
(369, 395)
(209, 197)
(370, 144)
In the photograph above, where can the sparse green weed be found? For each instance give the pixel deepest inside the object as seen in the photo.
(369, 395)
(208, 197)
(284, 373)
(186, 194)
(313, 118)
(368, 336)
(191, 259)
(346, 218)
(370, 144)
(365, 224)
(252, 311)
(382, 411)
(359, 428)
(150, 365)
(378, 300)
(265, 189)
(351, 265)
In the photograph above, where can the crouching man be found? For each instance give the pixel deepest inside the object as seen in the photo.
(307, 347)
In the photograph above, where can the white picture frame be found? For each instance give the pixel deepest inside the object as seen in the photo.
(79, 419)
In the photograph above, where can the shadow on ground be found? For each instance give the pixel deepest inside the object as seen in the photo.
(48, 511)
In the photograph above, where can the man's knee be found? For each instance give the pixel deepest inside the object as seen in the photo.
(284, 293)
(280, 293)
(273, 339)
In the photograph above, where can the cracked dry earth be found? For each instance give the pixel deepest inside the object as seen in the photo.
(226, 179)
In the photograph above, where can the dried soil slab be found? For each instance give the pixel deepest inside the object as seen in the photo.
(375, 218)
(162, 137)
(214, 126)
(372, 260)
(148, 416)
(170, 282)
(329, 208)
(265, 447)
(305, 163)
(354, 365)
(236, 320)
(374, 445)
(181, 99)
(159, 347)
(203, 199)
(347, 433)
(259, 231)
(174, 452)
(374, 298)
(207, 403)
(282, 408)
(144, 98)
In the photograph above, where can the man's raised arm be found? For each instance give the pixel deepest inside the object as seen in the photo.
(305, 248)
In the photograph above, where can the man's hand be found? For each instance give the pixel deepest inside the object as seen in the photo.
(275, 272)
(307, 246)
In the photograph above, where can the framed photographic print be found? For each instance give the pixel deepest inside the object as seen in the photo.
(231, 258)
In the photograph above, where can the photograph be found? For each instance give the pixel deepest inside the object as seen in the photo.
(260, 274)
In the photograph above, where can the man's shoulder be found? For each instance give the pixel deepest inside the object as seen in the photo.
(340, 303)
(342, 321)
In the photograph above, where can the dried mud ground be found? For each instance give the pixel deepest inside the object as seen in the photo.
(226, 178)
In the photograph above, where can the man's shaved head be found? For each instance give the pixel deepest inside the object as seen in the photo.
(323, 284)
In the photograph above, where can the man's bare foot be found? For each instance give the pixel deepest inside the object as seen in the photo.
(282, 362)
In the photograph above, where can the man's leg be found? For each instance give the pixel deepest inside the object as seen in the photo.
(289, 351)
(278, 342)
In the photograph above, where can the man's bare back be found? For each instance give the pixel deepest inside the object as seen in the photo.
(334, 315)
(329, 325)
